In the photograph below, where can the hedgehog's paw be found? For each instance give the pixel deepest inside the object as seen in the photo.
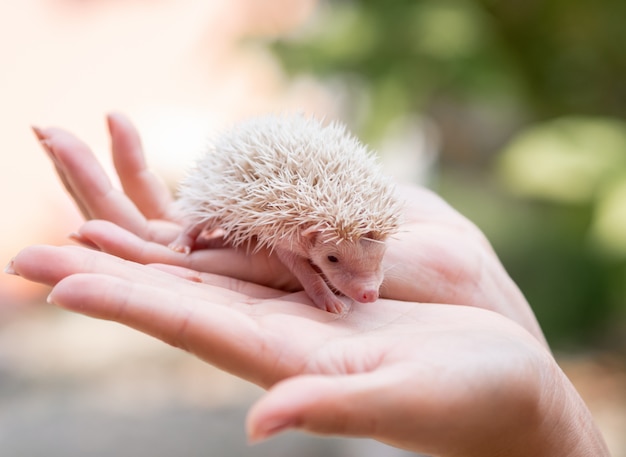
(181, 244)
(338, 307)
(334, 304)
(186, 240)
(179, 248)
(326, 300)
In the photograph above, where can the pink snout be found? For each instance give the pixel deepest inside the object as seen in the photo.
(368, 296)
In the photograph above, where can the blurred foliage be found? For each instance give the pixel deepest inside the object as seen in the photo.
(403, 53)
(550, 56)
(529, 97)
(567, 160)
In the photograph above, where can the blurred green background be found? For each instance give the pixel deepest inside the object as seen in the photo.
(529, 100)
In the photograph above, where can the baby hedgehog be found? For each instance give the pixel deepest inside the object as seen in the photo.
(313, 194)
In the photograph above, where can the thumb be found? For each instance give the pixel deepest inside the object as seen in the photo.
(344, 405)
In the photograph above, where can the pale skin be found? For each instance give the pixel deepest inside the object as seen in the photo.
(449, 362)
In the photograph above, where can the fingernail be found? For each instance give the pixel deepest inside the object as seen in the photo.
(112, 123)
(270, 429)
(109, 119)
(38, 132)
(43, 140)
(49, 300)
(48, 148)
(9, 268)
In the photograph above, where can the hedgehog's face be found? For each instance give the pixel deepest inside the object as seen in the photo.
(354, 268)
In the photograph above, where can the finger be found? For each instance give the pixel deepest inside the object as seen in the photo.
(113, 239)
(259, 268)
(397, 405)
(221, 335)
(45, 144)
(87, 182)
(159, 231)
(243, 287)
(50, 264)
(259, 340)
(338, 405)
(144, 188)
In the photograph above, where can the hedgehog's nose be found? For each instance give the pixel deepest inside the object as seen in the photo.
(369, 296)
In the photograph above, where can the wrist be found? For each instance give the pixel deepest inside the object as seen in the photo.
(540, 415)
(568, 424)
(560, 424)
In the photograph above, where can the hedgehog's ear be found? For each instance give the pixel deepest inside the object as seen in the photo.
(310, 234)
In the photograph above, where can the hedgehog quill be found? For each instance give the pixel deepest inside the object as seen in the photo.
(311, 193)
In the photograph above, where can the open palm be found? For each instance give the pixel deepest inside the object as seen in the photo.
(365, 373)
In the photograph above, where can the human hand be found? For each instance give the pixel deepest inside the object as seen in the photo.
(432, 378)
(438, 257)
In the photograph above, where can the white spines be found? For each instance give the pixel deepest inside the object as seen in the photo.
(271, 178)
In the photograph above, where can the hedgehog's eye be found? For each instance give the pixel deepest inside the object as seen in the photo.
(333, 259)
